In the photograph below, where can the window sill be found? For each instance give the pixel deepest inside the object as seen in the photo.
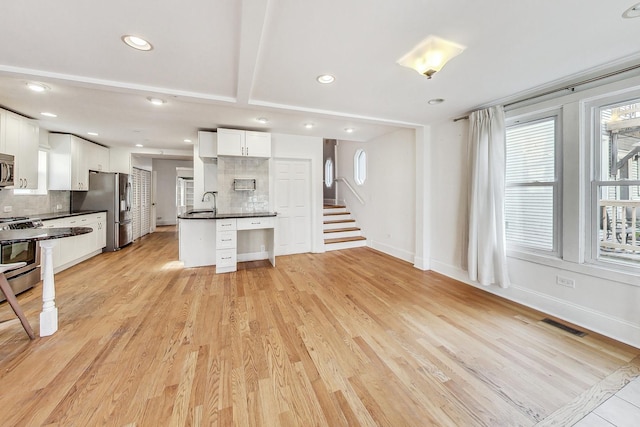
(629, 276)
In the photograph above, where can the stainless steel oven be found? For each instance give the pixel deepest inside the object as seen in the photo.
(25, 277)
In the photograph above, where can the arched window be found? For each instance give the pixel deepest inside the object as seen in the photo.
(328, 173)
(360, 167)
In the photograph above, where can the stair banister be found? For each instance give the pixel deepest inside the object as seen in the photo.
(355, 193)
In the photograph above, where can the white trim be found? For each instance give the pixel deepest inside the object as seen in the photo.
(393, 251)
(596, 321)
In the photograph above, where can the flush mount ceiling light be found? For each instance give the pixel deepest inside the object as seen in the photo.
(188, 141)
(37, 87)
(262, 120)
(136, 42)
(632, 12)
(92, 133)
(430, 55)
(435, 101)
(309, 125)
(325, 79)
(349, 130)
(156, 101)
(46, 114)
(139, 145)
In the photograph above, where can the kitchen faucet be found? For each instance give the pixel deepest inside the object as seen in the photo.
(215, 199)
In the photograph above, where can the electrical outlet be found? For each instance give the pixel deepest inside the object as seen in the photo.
(8, 208)
(58, 206)
(565, 281)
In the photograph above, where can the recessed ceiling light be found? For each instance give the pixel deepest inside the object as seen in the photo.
(309, 125)
(632, 12)
(48, 114)
(139, 145)
(136, 42)
(187, 141)
(349, 130)
(262, 120)
(156, 101)
(37, 87)
(435, 101)
(325, 79)
(92, 133)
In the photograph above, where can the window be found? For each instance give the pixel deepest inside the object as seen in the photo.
(328, 173)
(360, 167)
(532, 184)
(616, 187)
(42, 177)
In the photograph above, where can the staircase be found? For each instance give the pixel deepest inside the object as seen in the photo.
(340, 230)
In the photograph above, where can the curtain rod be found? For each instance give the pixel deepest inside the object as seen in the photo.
(570, 87)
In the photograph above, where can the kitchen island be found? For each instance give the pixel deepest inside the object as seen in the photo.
(224, 239)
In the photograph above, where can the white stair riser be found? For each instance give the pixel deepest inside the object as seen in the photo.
(344, 245)
(336, 217)
(342, 234)
(338, 225)
(335, 210)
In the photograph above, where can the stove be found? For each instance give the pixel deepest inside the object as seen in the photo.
(25, 277)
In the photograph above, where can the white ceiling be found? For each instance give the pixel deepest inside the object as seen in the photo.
(223, 63)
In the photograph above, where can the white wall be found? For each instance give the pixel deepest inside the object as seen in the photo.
(388, 217)
(603, 300)
(166, 189)
(304, 148)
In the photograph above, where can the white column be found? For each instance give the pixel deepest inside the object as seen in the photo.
(423, 199)
(49, 314)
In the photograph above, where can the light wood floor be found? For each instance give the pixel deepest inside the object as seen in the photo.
(349, 337)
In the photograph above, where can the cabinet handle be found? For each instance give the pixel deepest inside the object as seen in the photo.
(226, 240)
(226, 257)
(256, 223)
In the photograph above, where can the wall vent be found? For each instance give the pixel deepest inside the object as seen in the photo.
(564, 327)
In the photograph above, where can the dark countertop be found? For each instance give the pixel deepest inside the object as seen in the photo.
(210, 215)
(29, 234)
(57, 215)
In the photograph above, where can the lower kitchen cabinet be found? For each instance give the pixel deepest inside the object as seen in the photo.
(73, 250)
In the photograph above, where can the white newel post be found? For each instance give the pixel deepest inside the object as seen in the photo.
(49, 314)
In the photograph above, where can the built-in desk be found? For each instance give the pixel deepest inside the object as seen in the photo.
(207, 238)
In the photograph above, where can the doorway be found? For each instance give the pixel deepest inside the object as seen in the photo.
(329, 171)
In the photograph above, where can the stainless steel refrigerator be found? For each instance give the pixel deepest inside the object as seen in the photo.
(111, 192)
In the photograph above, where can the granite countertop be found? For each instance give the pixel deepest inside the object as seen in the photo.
(211, 215)
(57, 215)
(29, 234)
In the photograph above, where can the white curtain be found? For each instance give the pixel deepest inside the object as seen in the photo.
(486, 257)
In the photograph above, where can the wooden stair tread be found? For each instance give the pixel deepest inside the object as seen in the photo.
(334, 206)
(337, 213)
(344, 239)
(341, 230)
(338, 221)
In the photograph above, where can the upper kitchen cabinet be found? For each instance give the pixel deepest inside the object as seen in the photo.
(71, 158)
(19, 136)
(207, 145)
(233, 142)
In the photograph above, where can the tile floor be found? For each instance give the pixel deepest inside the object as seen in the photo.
(620, 410)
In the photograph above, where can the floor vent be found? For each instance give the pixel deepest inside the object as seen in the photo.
(564, 327)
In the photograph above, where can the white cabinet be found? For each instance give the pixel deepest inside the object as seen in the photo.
(19, 136)
(72, 250)
(70, 159)
(197, 242)
(207, 145)
(233, 142)
(226, 241)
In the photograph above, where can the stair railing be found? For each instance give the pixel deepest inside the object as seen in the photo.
(353, 190)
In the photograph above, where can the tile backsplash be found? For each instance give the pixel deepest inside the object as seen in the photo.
(239, 201)
(32, 205)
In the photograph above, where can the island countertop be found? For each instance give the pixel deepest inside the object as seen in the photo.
(29, 234)
(208, 214)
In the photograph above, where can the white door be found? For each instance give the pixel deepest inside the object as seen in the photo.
(135, 203)
(293, 204)
(145, 202)
(154, 183)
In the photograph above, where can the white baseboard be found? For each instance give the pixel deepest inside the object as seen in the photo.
(602, 323)
(392, 250)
